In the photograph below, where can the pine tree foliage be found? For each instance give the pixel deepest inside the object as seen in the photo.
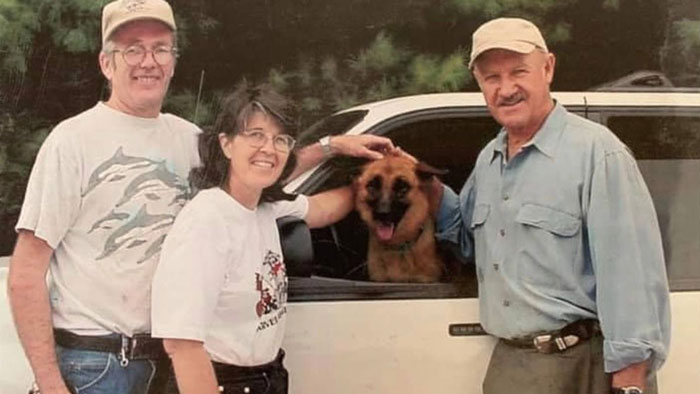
(681, 54)
(539, 12)
(495, 8)
(18, 24)
(383, 70)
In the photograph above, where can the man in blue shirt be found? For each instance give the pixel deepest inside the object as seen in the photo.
(567, 245)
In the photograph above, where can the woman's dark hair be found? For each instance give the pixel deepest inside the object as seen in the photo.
(236, 109)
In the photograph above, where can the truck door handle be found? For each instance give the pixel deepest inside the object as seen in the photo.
(466, 330)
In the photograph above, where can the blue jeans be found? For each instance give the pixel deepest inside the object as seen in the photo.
(90, 372)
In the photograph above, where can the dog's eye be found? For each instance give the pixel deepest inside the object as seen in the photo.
(401, 187)
(374, 184)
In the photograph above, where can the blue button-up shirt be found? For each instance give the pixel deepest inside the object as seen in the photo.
(565, 230)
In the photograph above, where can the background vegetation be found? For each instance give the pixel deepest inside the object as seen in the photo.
(326, 54)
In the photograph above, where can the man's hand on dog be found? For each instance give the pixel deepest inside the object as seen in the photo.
(366, 146)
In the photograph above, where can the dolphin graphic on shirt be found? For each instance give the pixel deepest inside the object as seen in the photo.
(137, 232)
(153, 249)
(105, 222)
(150, 183)
(114, 168)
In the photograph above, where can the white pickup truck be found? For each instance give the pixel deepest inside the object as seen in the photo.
(347, 335)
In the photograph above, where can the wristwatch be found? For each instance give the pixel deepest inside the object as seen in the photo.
(626, 390)
(325, 143)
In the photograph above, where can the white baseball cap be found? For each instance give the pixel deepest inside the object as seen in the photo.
(513, 34)
(119, 12)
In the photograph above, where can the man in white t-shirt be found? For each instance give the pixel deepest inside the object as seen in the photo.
(105, 189)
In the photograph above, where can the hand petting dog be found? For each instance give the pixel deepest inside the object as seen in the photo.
(366, 146)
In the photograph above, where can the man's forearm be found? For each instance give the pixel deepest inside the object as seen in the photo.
(31, 310)
(32, 316)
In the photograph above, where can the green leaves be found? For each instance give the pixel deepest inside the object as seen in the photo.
(184, 103)
(18, 24)
(381, 55)
(76, 40)
(20, 139)
(534, 10)
(680, 55)
(429, 73)
(688, 32)
(382, 70)
(540, 12)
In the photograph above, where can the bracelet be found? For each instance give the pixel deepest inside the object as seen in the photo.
(325, 143)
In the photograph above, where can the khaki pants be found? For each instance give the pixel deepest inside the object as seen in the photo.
(578, 370)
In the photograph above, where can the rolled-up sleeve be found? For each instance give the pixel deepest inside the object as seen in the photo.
(627, 256)
(454, 217)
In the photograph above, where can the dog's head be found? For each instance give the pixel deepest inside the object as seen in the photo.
(390, 200)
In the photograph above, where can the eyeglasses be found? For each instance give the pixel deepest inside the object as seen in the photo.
(136, 54)
(282, 142)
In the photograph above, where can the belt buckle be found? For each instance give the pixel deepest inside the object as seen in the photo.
(542, 343)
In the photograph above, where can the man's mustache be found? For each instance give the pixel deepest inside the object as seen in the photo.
(512, 99)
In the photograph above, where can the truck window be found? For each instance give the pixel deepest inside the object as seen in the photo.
(667, 149)
(450, 141)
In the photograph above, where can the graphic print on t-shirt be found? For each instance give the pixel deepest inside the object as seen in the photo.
(150, 197)
(271, 284)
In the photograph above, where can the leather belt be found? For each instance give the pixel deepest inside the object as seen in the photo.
(558, 340)
(138, 347)
(223, 369)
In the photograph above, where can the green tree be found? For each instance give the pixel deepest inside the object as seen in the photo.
(681, 52)
(20, 139)
(382, 70)
(540, 12)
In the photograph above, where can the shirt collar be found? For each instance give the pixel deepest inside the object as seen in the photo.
(545, 139)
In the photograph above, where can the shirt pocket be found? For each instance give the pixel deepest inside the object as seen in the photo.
(481, 213)
(549, 247)
(556, 222)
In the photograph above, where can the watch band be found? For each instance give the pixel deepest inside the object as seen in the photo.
(626, 390)
(325, 143)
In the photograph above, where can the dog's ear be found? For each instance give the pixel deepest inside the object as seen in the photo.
(425, 171)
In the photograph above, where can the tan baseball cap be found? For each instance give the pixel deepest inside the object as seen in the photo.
(119, 12)
(513, 34)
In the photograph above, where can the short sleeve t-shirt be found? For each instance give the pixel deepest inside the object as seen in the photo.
(104, 191)
(222, 279)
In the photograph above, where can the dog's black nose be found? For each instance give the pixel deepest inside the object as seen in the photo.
(388, 211)
(383, 206)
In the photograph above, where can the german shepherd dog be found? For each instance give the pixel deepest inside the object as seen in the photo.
(391, 201)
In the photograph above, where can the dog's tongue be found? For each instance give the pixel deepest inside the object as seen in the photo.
(385, 231)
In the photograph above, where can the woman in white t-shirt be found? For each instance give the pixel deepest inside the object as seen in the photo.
(220, 290)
